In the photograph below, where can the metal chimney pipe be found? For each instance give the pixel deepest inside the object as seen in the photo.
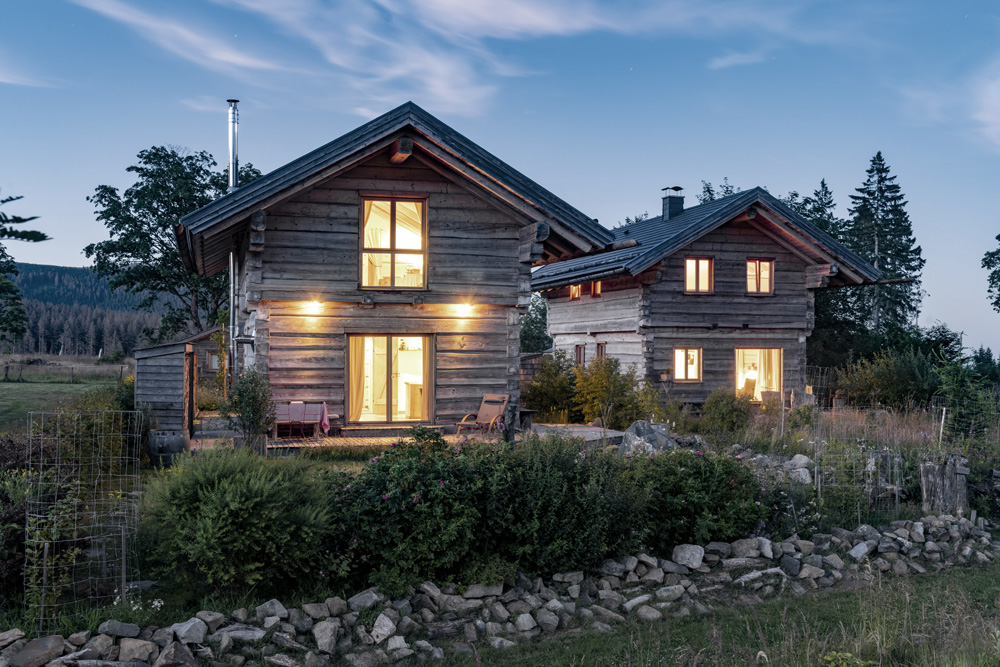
(234, 163)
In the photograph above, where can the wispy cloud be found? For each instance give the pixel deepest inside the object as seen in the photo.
(733, 59)
(181, 39)
(986, 102)
(444, 53)
(13, 76)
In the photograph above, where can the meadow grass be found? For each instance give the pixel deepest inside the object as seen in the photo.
(17, 399)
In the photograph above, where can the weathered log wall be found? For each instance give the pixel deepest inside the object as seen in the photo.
(612, 319)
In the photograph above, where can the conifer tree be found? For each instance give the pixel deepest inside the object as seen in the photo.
(880, 231)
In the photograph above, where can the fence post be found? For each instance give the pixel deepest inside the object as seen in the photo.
(944, 412)
(124, 569)
(45, 586)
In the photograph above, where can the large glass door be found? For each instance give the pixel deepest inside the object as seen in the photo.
(388, 378)
(758, 370)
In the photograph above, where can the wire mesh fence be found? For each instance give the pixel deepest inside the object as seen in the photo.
(82, 512)
(858, 483)
(62, 373)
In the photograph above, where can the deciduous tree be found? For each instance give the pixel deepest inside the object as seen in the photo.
(142, 255)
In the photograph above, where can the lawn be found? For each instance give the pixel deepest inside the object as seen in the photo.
(19, 398)
(952, 618)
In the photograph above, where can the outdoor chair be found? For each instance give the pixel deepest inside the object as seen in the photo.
(490, 415)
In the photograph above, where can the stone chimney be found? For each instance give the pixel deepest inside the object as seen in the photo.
(673, 202)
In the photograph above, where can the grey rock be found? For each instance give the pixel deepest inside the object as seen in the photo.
(299, 620)
(525, 622)
(271, 622)
(833, 561)
(118, 629)
(791, 565)
(547, 620)
(765, 547)
(670, 593)
(653, 576)
(499, 612)
(240, 615)
(316, 610)
(281, 660)
(176, 655)
(645, 438)
(361, 659)
(271, 608)
(861, 551)
(286, 641)
(365, 599)
(459, 604)
(800, 476)
(102, 644)
(747, 548)
(810, 572)
(336, 605)
(630, 563)
(499, 643)
(648, 560)
(440, 629)
(649, 614)
(212, 619)
(400, 654)
(799, 461)
(407, 626)
(868, 533)
(325, 633)
(383, 628)
(688, 555)
(137, 650)
(720, 549)
(9, 637)
(191, 631)
(611, 568)
(39, 651)
(481, 591)
(637, 601)
(313, 660)
(395, 642)
(673, 568)
(822, 541)
(76, 639)
(600, 627)
(575, 577)
(75, 657)
(225, 644)
(245, 634)
(607, 614)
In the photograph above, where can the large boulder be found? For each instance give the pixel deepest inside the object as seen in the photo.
(645, 438)
(689, 555)
(39, 651)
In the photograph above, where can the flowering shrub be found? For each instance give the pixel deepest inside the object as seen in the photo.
(691, 497)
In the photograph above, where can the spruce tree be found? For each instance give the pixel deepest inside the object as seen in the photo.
(880, 231)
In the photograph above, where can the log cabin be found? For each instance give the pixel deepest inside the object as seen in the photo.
(385, 273)
(715, 295)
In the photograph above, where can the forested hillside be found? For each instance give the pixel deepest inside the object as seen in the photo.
(72, 311)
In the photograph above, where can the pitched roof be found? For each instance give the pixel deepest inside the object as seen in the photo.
(489, 171)
(658, 238)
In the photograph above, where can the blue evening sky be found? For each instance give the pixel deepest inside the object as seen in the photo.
(602, 103)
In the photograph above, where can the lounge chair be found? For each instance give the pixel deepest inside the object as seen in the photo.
(491, 412)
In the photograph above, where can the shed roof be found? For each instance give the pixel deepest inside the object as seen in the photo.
(658, 238)
(431, 135)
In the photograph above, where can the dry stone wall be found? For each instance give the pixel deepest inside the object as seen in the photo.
(438, 619)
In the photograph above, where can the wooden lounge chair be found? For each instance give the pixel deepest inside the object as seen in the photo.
(491, 412)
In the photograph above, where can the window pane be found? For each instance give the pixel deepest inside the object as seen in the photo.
(765, 276)
(409, 225)
(369, 378)
(704, 273)
(574, 291)
(692, 364)
(751, 275)
(375, 269)
(377, 224)
(679, 364)
(408, 378)
(690, 277)
(409, 270)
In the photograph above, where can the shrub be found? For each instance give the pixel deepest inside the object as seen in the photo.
(897, 378)
(230, 520)
(555, 506)
(696, 498)
(14, 485)
(552, 389)
(617, 397)
(249, 408)
(411, 514)
(725, 411)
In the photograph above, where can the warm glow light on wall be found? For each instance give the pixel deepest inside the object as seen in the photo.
(464, 309)
(313, 308)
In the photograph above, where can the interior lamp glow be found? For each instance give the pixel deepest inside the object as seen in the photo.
(464, 309)
(313, 308)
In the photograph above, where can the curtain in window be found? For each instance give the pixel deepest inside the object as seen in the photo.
(356, 355)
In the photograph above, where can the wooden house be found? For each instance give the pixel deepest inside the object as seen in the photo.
(384, 273)
(719, 294)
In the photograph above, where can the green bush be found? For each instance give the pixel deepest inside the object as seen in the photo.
(14, 485)
(229, 519)
(552, 389)
(725, 411)
(249, 408)
(555, 506)
(413, 513)
(617, 397)
(694, 498)
(897, 378)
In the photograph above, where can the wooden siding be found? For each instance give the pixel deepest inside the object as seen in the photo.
(306, 355)
(719, 357)
(312, 241)
(730, 305)
(161, 383)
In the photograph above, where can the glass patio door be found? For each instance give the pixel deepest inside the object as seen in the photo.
(388, 378)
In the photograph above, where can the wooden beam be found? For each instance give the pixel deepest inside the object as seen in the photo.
(258, 220)
(819, 275)
(402, 148)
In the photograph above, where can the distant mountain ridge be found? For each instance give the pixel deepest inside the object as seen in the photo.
(71, 286)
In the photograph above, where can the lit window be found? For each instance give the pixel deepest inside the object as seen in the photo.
(595, 289)
(760, 276)
(687, 364)
(581, 354)
(393, 243)
(575, 291)
(698, 275)
(758, 370)
(602, 350)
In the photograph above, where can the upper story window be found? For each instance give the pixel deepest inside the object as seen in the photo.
(602, 350)
(760, 276)
(393, 243)
(698, 275)
(595, 289)
(575, 291)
